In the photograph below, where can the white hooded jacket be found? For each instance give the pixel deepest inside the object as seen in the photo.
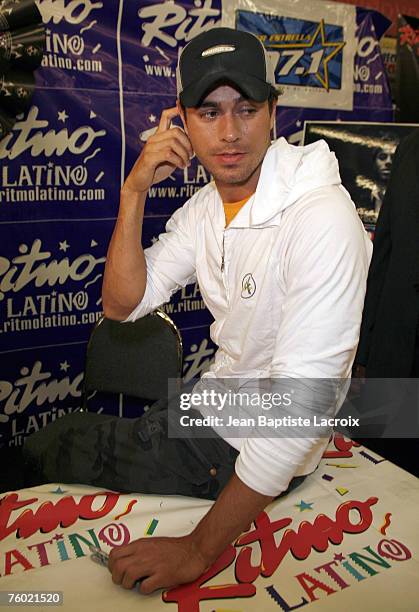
(285, 283)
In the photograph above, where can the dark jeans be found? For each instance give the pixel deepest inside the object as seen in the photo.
(124, 455)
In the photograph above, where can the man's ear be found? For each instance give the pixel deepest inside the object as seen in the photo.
(182, 115)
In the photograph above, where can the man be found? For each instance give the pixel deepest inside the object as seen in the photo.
(390, 318)
(389, 337)
(372, 189)
(284, 281)
(281, 259)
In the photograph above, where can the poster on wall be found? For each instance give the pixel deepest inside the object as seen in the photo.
(365, 152)
(313, 44)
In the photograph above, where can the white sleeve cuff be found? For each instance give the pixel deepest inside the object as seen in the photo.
(142, 309)
(267, 465)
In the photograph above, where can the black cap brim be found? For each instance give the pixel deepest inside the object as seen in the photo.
(252, 87)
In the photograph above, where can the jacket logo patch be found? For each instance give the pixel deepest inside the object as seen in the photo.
(248, 286)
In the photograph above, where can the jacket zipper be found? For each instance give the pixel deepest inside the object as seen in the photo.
(223, 271)
(222, 254)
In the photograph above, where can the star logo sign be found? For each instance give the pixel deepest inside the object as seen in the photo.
(318, 43)
(330, 50)
(248, 286)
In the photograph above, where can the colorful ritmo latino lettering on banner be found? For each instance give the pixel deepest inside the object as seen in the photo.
(24, 517)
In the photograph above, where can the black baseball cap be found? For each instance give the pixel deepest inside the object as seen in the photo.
(224, 55)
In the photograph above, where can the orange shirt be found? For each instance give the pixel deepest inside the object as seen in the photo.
(232, 208)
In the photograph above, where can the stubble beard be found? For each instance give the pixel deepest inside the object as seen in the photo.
(242, 175)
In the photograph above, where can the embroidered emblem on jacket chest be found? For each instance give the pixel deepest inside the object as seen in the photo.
(248, 286)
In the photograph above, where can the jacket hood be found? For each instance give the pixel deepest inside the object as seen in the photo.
(288, 172)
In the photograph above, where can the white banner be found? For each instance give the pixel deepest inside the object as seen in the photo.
(314, 44)
(345, 539)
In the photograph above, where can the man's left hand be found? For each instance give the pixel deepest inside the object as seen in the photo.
(161, 563)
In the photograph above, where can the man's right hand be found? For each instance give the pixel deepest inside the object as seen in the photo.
(169, 148)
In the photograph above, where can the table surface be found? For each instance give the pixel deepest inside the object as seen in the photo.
(346, 539)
